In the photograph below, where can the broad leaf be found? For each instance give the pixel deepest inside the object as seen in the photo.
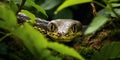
(49, 4)
(117, 11)
(53, 58)
(30, 15)
(115, 4)
(108, 13)
(40, 9)
(7, 18)
(64, 49)
(32, 39)
(62, 14)
(45, 53)
(68, 3)
(113, 0)
(96, 24)
(13, 6)
(110, 51)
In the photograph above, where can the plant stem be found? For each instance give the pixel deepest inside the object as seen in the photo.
(21, 5)
(2, 32)
(8, 34)
(100, 4)
(94, 9)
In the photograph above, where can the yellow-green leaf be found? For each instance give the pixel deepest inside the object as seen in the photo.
(13, 6)
(7, 17)
(64, 50)
(96, 24)
(30, 15)
(39, 8)
(31, 38)
(68, 3)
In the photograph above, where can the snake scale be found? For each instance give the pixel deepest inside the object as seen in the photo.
(61, 30)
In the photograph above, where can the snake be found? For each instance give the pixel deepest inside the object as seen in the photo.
(60, 30)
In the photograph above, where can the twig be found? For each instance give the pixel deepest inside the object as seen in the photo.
(8, 34)
(94, 9)
(2, 32)
(100, 4)
(21, 5)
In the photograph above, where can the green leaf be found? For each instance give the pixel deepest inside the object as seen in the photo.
(104, 12)
(64, 50)
(31, 38)
(115, 4)
(117, 11)
(108, 13)
(68, 3)
(62, 14)
(13, 6)
(49, 4)
(30, 15)
(96, 24)
(109, 51)
(45, 53)
(40, 9)
(53, 58)
(7, 18)
(113, 0)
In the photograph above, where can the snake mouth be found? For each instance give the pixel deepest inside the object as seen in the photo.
(63, 38)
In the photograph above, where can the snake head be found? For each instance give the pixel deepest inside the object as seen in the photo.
(64, 30)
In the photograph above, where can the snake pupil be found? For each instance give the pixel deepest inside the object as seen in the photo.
(74, 27)
(52, 27)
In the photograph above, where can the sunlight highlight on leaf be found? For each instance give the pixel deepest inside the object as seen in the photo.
(7, 18)
(96, 24)
(68, 3)
(64, 49)
(50, 4)
(40, 9)
(30, 15)
(32, 39)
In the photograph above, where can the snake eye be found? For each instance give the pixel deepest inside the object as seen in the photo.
(74, 28)
(52, 27)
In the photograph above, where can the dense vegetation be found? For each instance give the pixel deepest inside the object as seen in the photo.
(22, 42)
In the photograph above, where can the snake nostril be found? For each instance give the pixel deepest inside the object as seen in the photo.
(66, 34)
(59, 34)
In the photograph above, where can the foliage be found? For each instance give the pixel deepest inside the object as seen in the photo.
(37, 7)
(47, 5)
(68, 3)
(32, 39)
(108, 52)
(101, 20)
(37, 47)
(66, 50)
(96, 23)
(6, 21)
(32, 16)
